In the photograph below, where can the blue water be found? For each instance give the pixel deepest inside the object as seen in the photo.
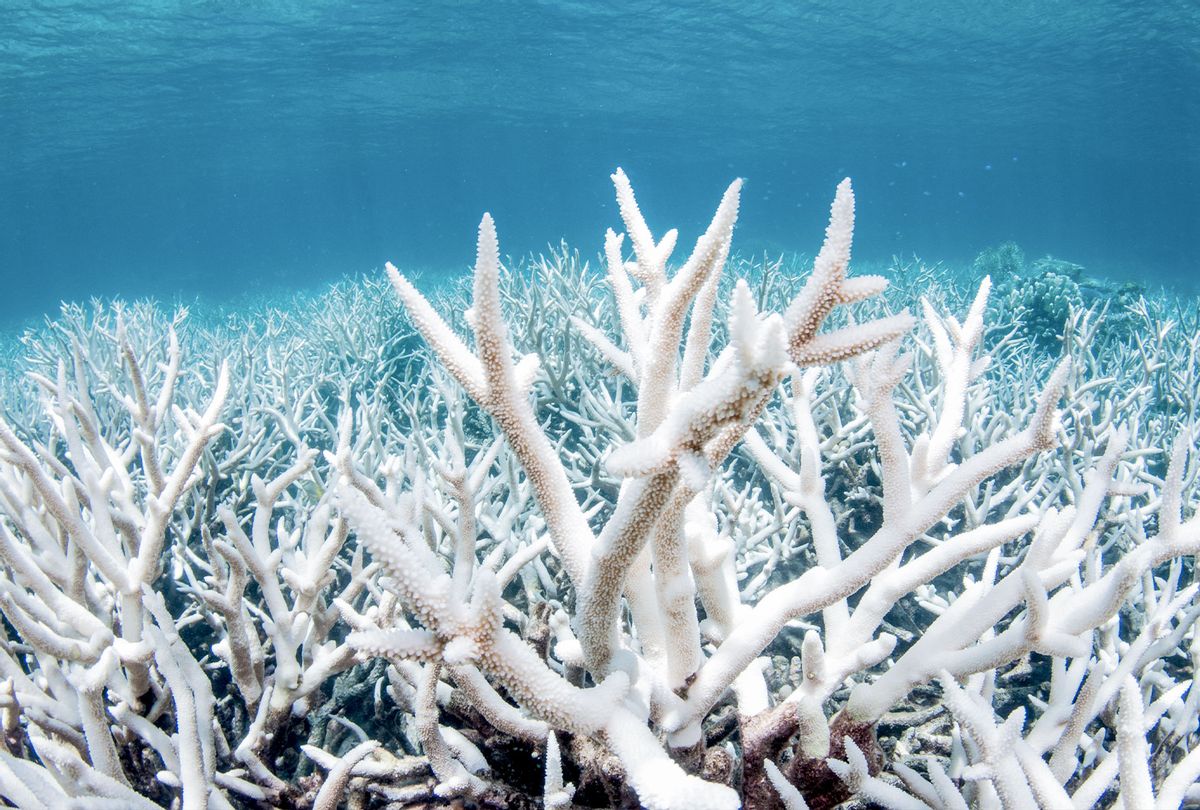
(222, 148)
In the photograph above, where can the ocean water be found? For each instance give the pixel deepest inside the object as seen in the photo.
(240, 153)
(225, 148)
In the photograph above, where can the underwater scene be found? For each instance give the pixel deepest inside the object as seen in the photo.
(581, 405)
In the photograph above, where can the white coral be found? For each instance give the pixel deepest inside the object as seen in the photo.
(621, 517)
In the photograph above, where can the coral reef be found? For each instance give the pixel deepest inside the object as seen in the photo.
(1003, 262)
(1040, 298)
(667, 541)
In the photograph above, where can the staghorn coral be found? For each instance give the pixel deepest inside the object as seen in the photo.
(573, 543)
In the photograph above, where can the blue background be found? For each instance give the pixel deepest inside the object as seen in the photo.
(226, 149)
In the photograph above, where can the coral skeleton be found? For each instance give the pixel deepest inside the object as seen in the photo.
(676, 542)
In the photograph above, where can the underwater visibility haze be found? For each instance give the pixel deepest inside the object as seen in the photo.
(219, 148)
(322, 488)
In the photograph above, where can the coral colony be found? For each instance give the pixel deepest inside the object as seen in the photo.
(620, 545)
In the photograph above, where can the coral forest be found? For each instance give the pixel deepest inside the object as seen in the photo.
(694, 532)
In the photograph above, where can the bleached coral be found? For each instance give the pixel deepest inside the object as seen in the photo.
(591, 530)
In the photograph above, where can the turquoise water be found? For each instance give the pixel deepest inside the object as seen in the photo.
(224, 149)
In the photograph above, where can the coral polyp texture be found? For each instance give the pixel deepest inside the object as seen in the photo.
(572, 544)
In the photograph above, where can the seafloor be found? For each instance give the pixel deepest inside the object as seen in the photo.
(295, 367)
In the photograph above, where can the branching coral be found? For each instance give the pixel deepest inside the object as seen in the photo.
(611, 549)
(686, 426)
